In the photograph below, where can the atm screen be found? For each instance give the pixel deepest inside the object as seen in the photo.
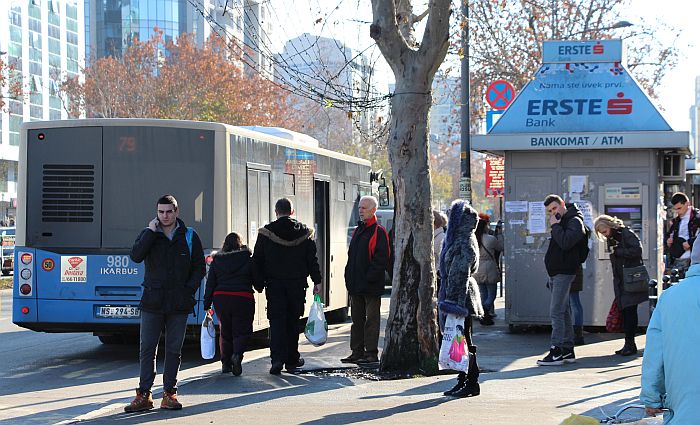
(631, 215)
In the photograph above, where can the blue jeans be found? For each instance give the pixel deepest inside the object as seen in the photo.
(560, 312)
(151, 325)
(488, 296)
(576, 307)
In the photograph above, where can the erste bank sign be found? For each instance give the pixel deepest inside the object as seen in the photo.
(560, 51)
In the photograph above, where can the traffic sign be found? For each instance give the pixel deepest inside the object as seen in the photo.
(499, 94)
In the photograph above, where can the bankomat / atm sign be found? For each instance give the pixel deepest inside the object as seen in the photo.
(545, 141)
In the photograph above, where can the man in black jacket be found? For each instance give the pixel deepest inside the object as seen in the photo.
(562, 260)
(368, 257)
(174, 271)
(285, 255)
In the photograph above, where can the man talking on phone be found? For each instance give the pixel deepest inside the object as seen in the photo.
(175, 267)
(562, 261)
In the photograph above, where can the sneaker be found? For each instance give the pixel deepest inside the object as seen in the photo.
(236, 367)
(299, 363)
(169, 401)
(568, 355)
(276, 368)
(142, 401)
(352, 358)
(554, 358)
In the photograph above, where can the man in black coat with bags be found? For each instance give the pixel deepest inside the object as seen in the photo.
(368, 257)
(174, 271)
(285, 255)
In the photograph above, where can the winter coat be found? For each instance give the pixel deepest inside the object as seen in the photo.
(489, 273)
(438, 238)
(562, 253)
(368, 257)
(628, 252)
(459, 292)
(229, 272)
(285, 252)
(172, 275)
(670, 372)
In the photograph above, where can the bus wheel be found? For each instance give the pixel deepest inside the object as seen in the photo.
(111, 339)
(337, 316)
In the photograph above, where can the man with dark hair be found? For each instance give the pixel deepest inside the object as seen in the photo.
(682, 233)
(174, 271)
(562, 261)
(368, 256)
(285, 255)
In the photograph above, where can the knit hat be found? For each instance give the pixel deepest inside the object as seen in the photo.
(695, 252)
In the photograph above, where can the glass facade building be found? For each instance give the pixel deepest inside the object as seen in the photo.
(114, 24)
(42, 41)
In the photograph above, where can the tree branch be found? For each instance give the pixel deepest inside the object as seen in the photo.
(436, 38)
(385, 32)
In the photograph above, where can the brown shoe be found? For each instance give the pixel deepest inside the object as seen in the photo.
(170, 401)
(142, 401)
(352, 358)
(368, 359)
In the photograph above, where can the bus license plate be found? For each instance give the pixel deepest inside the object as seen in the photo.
(118, 311)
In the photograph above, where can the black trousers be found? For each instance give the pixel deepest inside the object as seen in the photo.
(366, 317)
(235, 315)
(285, 306)
(630, 322)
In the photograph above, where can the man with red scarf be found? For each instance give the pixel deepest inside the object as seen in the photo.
(368, 257)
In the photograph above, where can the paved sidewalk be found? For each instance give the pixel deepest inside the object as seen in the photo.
(514, 390)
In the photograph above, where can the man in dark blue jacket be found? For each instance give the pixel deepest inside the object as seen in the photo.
(285, 255)
(562, 260)
(368, 257)
(175, 267)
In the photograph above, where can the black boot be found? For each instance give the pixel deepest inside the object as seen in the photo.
(471, 386)
(629, 349)
(487, 320)
(461, 379)
(578, 335)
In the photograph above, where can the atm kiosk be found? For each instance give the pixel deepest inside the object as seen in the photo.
(581, 128)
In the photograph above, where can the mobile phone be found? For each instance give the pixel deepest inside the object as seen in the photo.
(557, 216)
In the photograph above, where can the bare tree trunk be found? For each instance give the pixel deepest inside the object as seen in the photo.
(410, 342)
(410, 337)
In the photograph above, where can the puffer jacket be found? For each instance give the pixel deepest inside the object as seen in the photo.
(172, 275)
(230, 272)
(670, 372)
(489, 273)
(459, 292)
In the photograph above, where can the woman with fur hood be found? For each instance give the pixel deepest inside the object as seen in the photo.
(459, 292)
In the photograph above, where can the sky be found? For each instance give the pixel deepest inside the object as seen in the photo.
(348, 20)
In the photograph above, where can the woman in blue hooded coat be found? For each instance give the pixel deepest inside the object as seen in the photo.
(459, 292)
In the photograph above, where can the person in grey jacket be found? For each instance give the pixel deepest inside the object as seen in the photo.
(459, 292)
(439, 226)
(489, 273)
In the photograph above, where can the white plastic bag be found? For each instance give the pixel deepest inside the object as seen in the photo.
(207, 338)
(316, 330)
(454, 353)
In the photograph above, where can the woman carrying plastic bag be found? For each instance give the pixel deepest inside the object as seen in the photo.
(316, 329)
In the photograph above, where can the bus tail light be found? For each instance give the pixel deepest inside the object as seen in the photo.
(25, 310)
(26, 280)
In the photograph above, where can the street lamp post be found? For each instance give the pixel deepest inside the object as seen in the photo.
(465, 183)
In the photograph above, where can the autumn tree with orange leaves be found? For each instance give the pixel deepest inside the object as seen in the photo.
(176, 80)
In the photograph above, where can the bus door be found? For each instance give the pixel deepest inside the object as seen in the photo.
(258, 216)
(322, 230)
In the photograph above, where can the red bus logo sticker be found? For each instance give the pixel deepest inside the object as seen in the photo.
(74, 269)
(47, 264)
(26, 258)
